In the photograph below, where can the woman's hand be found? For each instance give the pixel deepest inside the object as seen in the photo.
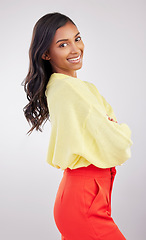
(111, 119)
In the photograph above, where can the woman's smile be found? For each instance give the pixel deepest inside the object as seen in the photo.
(75, 60)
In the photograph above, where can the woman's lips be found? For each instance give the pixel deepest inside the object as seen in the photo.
(75, 60)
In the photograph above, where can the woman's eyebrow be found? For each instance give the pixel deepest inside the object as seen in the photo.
(67, 39)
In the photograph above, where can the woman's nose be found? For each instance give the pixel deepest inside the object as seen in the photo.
(75, 48)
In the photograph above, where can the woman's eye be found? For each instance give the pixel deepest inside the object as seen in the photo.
(65, 44)
(78, 39)
(62, 45)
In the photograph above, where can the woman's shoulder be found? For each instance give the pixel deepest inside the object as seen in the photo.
(62, 88)
(62, 79)
(65, 84)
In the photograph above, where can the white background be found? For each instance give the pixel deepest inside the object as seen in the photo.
(114, 34)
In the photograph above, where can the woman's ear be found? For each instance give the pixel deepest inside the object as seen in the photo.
(45, 56)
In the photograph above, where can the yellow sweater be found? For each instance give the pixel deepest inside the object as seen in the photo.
(81, 133)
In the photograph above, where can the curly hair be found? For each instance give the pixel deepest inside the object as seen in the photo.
(40, 70)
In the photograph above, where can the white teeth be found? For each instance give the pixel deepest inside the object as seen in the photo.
(74, 59)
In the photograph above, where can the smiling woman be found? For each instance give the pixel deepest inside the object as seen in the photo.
(86, 141)
(56, 46)
(66, 57)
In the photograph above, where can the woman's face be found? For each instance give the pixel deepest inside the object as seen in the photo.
(66, 50)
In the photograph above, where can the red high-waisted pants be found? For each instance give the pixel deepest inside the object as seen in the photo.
(82, 209)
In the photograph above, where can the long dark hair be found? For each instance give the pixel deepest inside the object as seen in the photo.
(40, 70)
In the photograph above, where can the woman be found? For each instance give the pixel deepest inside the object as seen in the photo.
(86, 141)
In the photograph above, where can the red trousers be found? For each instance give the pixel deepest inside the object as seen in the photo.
(82, 209)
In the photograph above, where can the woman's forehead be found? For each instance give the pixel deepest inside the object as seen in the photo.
(68, 31)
